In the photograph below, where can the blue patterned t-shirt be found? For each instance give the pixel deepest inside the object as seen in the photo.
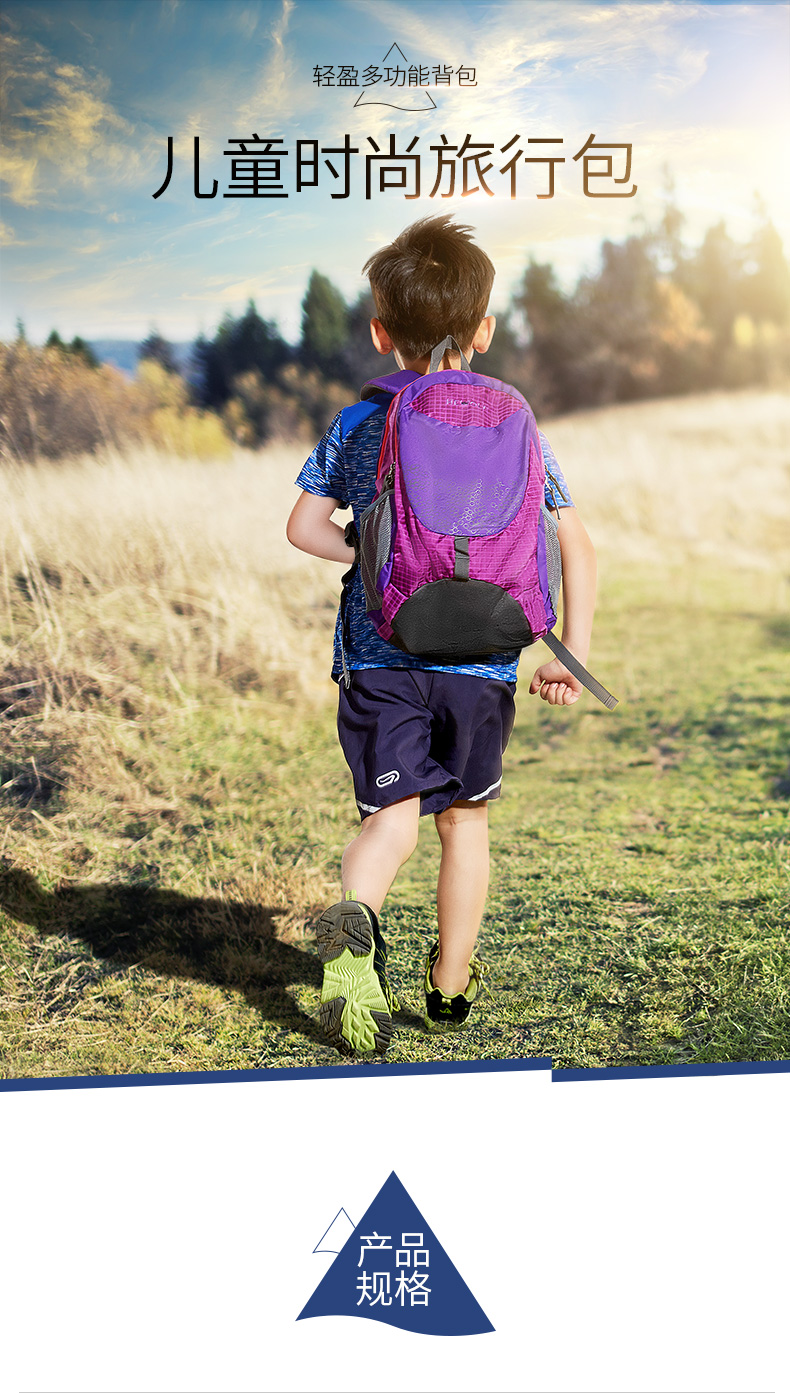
(343, 466)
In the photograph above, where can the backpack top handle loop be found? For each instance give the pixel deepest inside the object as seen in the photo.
(444, 347)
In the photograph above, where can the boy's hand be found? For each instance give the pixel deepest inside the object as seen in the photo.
(556, 685)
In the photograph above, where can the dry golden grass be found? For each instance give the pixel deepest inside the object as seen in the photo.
(147, 558)
(702, 477)
(147, 561)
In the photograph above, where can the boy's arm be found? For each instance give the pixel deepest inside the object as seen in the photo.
(310, 528)
(579, 572)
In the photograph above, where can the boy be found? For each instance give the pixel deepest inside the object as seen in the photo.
(419, 738)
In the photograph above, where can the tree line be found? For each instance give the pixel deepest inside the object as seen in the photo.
(655, 318)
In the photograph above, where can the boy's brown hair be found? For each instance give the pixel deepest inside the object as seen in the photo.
(431, 281)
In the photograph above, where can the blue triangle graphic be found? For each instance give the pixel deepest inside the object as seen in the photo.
(394, 1269)
(333, 1239)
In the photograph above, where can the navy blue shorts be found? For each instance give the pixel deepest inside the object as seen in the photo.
(439, 734)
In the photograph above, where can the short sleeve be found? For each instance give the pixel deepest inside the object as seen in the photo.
(558, 495)
(324, 472)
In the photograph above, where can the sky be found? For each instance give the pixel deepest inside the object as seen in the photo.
(94, 88)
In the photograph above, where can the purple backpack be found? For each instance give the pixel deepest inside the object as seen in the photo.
(458, 553)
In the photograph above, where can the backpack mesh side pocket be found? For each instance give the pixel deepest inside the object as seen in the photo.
(376, 527)
(553, 556)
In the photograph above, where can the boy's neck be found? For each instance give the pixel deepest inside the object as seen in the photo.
(422, 365)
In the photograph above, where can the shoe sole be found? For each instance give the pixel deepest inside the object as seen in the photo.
(354, 1013)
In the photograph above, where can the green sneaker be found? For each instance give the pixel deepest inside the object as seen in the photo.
(450, 1011)
(356, 999)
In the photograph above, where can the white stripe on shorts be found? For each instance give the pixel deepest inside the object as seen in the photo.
(475, 797)
(367, 807)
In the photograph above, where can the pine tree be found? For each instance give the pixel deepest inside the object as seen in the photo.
(239, 346)
(358, 360)
(554, 343)
(159, 350)
(78, 348)
(324, 325)
(712, 278)
(766, 284)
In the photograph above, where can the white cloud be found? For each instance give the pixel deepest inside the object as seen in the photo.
(32, 275)
(274, 94)
(221, 291)
(246, 21)
(60, 129)
(167, 12)
(8, 237)
(529, 56)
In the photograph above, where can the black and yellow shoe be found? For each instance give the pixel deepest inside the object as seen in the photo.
(356, 998)
(450, 1011)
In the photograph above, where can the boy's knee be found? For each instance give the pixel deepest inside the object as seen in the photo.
(461, 813)
(399, 823)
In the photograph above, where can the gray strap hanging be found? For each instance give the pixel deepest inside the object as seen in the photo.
(461, 567)
(446, 346)
(573, 665)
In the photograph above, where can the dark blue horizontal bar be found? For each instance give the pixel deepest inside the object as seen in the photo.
(669, 1071)
(376, 1069)
(381, 1069)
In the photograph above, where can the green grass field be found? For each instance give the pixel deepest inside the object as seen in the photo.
(172, 824)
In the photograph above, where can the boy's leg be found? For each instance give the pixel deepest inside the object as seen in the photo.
(384, 842)
(461, 891)
(356, 1000)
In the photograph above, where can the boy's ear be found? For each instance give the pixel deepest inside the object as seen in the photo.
(484, 335)
(381, 339)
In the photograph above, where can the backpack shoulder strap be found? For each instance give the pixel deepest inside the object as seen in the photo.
(376, 395)
(353, 416)
(390, 383)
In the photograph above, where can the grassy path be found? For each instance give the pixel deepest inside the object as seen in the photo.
(158, 877)
(640, 902)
